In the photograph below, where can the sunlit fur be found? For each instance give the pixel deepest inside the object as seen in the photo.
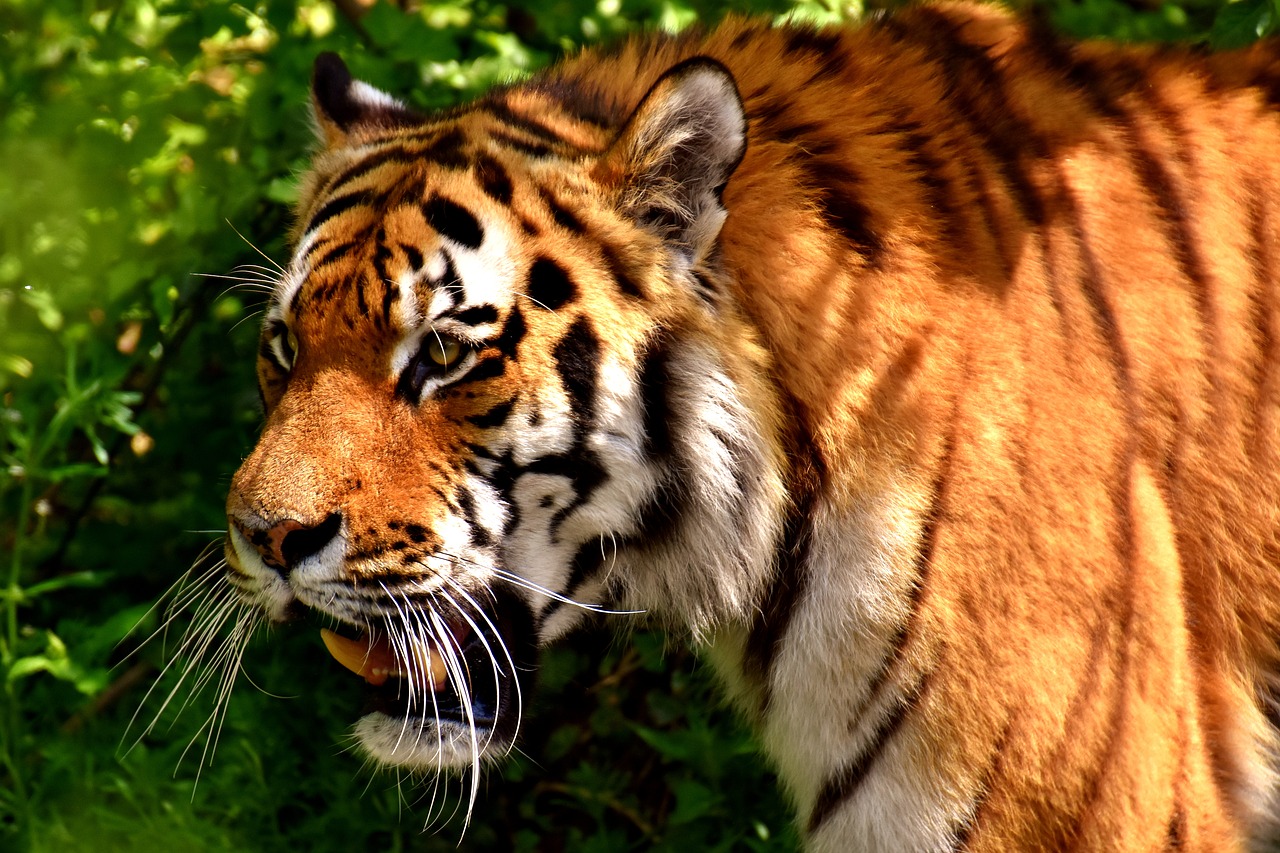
(947, 427)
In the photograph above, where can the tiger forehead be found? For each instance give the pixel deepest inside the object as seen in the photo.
(512, 132)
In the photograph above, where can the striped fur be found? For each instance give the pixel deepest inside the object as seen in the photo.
(923, 373)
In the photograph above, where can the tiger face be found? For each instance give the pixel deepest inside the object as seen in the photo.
(468, 375)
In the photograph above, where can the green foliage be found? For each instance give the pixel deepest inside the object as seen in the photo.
(1222, 26)
(139, 139)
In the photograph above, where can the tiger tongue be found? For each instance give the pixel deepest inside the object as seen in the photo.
(373, 660)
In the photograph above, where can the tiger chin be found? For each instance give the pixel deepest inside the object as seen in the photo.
(923, 374)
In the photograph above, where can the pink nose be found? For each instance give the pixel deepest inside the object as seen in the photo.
(272, 550)
(289, 542)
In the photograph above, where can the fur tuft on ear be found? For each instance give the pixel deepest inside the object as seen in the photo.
(342, 105)
(677, 151)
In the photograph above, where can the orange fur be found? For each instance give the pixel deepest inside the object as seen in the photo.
(1028, 289)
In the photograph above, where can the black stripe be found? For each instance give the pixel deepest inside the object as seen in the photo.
(585, 473)
(655, 381)
(922, 566)
(563, 217)
(479, 536)
(843, 785)
(577, 357)
(447, 150)
(619, 272)
(549, 284)
(493, 179)
(453, 221)
(390, 293)
(1104, 318)
(477, 315)
(830, 67)
(834, 185)
(660, 515)
(503, 112)
(940, 194)
(587, 105)
(524, 146)
(1156, 177)
(280, 331)
(412, 256)
(334, 253)
(1261, 315)
(791, 578)
(382, 254)
(772, 112)
(395, 153)
(495, 417)
(513, 332)
(773, 619)
(268, 352)
(969, 75)
(810, 40)
(487, 368)
(706, 287)
(586, 562)
(792, 132)
(334, 208)
(1177, 832)
(361, 303)
(449, 283)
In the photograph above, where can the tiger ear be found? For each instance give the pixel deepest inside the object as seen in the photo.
(342, 106)
(676, 152)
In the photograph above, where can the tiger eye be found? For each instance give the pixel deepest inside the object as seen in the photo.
(443, 351)
(291, 344)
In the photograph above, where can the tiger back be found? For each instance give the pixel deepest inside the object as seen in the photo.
(923, 374)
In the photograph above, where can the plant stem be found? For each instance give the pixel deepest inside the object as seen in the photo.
(11, 733)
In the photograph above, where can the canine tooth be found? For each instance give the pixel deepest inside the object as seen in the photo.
(366, 659)
(374, 661)
(436, 670)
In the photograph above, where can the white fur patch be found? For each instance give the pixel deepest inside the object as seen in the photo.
(369, 96)
(841, 633)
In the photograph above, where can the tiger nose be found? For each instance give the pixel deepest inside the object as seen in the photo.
(289, 542)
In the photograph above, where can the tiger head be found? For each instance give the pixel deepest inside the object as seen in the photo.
(505, 386)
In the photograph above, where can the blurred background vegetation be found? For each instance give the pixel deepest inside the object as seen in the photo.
(146, 148)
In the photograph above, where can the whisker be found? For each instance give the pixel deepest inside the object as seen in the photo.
(249, 243)
(178, 588)
(501, 642)
(400, 649)
(532, 586)
(239, 641)
(452, 654)
(265, 273)
(211, 614)
(246, 318)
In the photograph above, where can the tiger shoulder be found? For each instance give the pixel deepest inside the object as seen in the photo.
(925, 373)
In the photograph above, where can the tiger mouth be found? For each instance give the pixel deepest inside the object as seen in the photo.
(415, 679)
(468, 675)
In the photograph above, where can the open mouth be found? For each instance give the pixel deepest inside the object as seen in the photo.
(469, 675)
(458, 680)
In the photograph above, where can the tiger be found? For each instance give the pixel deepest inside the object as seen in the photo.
(922, 373)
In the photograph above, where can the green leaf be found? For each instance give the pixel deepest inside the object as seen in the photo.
(76, 579)
(46, 309)
(1242, 23)
(693, 800)
(16, 364)
(26, 667)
